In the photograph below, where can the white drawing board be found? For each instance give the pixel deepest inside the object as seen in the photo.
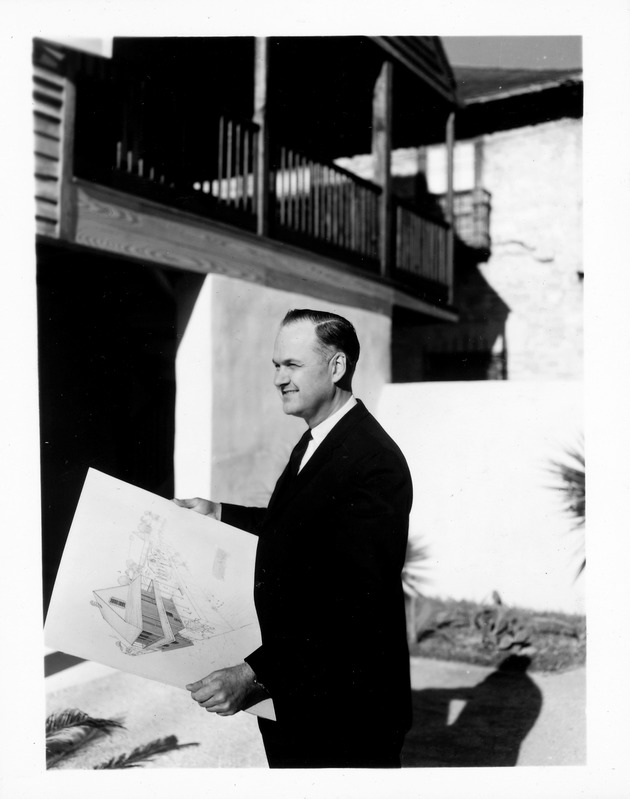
(150, 588)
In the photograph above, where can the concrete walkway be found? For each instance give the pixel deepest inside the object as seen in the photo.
(463, 716)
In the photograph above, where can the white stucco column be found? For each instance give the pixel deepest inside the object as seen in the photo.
(193, 403)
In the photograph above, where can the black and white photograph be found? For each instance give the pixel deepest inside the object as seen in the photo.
(311, 364)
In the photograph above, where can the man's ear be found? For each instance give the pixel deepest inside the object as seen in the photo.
(339, 366)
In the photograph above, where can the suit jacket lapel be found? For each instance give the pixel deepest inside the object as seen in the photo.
(288, 486)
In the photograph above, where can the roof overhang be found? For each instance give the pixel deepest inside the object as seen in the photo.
(425, 57)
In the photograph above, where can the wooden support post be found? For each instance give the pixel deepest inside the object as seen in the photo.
(261, 78)
(479, 155)
(422, 176)
(480, 222)
(450, 160)
(67, 202)
(382, 150)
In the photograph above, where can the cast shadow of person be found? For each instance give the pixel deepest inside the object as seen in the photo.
(497, 715)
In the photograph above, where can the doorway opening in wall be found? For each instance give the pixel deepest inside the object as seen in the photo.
(476, 365)
(107, 337)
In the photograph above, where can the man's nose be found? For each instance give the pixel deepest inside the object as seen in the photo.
(281, 377)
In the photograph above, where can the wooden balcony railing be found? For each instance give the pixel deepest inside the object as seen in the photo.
(135, 137)
(234, 184)
(421, 245)
(325, 204)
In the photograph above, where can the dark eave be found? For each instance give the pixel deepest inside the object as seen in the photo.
(495, 100)
(488, 84)
(425, 57)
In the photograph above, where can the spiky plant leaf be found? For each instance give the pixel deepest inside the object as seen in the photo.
(145, 753)
(71, 730)
(76, 718)
(571, 477)
(413, 577)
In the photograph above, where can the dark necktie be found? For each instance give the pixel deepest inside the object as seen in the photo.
(298, 453)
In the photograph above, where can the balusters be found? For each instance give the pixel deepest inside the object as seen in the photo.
(317, 201)
(284, 186)
(221, 158)
(421, 245)
(245, 171)
(254, 203)
(238, 188)
(228, 160)
(323, 202)
(236, 181)
(317, 196)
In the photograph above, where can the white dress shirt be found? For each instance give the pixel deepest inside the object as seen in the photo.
(320, 431)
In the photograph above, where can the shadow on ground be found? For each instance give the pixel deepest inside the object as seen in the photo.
(497, 714)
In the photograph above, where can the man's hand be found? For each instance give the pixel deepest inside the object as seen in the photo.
(203, 506)
(227, 691)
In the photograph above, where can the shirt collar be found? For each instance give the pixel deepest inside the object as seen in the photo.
(320, 431)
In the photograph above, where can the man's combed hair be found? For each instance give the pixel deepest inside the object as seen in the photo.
(333, 333)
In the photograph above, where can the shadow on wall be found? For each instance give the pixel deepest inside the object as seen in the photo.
(497, 715)
(474, 348)
(108, 330)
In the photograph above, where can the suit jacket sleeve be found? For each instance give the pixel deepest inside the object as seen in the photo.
(248, 519)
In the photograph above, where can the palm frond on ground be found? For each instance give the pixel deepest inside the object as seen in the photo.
(72, 730)
(145, 753)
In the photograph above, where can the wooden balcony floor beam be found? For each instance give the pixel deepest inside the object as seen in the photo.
(123, 225)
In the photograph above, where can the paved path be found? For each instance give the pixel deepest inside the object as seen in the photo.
(463, 715)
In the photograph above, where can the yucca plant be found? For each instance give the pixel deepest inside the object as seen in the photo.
(571, 473)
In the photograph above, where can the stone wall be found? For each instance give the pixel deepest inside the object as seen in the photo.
(523, 306)
(531, 285)
(534, 176)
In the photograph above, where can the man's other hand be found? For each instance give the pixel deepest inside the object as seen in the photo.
(227, 691)
(203, 506)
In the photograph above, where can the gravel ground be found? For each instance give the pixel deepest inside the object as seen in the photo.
(464, 715)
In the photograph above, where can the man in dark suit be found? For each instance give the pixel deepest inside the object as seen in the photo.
(328, 589)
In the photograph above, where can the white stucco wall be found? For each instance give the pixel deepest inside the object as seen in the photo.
(193, 402)
(478, 453)
(229, 417)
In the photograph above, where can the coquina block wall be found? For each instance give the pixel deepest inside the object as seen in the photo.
(525, 302)
(535, 178)
(535, 268)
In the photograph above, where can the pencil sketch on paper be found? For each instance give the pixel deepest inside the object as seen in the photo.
(156, 606)
(141, 576)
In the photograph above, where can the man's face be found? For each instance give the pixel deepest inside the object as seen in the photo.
(303, 376)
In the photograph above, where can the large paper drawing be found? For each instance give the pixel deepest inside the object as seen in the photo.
(153, 589)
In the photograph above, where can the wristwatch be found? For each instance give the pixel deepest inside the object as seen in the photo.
(260, 685)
